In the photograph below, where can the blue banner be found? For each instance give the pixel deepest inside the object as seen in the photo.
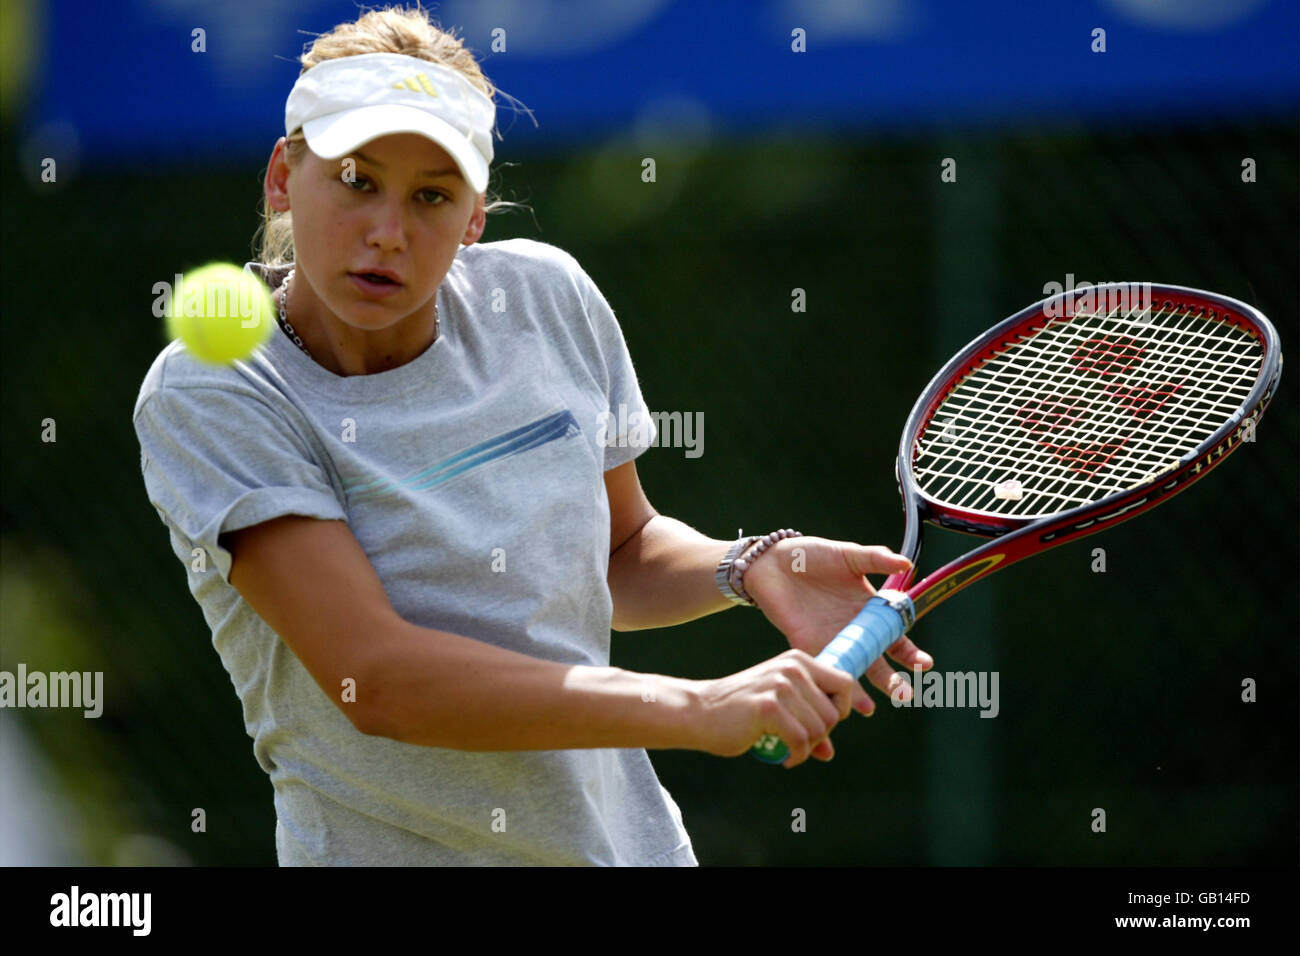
(185, 80)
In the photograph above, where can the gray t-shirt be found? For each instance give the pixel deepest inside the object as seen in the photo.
(472, 476)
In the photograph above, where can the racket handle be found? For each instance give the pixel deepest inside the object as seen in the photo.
(881, 622)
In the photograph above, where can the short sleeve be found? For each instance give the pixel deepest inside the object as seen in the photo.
(215, 461)
(629, 426)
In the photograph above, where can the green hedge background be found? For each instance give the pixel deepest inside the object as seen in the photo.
(1119, 690)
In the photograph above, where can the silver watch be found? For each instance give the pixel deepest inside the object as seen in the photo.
(723, 575)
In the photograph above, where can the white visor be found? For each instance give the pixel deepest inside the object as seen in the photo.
(342, 104)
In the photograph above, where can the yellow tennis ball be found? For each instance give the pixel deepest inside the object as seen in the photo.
(221, 313)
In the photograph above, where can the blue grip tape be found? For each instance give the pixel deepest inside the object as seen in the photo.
(881, 622)
(877, 626)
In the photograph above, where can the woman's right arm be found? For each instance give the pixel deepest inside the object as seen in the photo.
(312, 583)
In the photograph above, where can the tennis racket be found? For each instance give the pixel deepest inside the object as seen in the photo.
(1076, 414)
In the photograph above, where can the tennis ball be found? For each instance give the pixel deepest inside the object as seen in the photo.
(221, 313)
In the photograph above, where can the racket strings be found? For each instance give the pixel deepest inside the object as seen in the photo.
(1083, 406)
(1076, 435)
(1086, 433)
(1082, 452)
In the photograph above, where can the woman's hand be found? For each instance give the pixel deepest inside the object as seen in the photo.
(809, 588)
(791, 695)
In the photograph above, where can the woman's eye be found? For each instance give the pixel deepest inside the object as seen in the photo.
(430, 196)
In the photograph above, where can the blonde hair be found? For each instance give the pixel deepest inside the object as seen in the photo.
(389, 30)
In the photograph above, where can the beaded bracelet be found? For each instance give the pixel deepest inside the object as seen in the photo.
(736, 578)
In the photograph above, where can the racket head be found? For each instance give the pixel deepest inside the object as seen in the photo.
(1067, 418)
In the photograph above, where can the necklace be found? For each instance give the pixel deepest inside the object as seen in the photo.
(284, 314)
(297, 339)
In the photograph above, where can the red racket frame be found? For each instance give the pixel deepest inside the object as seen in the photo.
(1015, 538)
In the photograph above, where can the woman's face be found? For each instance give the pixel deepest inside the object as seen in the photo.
(398, 203)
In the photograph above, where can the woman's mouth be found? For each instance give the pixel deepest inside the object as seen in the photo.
(374, 284)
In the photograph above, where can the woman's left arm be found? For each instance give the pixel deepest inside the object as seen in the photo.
(655, 561)
(661, 573)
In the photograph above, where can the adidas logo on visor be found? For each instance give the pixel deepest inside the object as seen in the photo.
(417, 84)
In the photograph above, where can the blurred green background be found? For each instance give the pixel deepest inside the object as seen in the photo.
(1119, 691)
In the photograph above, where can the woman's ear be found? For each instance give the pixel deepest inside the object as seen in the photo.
(477, 222)
(277, 178)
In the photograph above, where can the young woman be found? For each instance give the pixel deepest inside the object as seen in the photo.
(411, 530)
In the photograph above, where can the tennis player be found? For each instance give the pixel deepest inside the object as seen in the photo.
(411, 519)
